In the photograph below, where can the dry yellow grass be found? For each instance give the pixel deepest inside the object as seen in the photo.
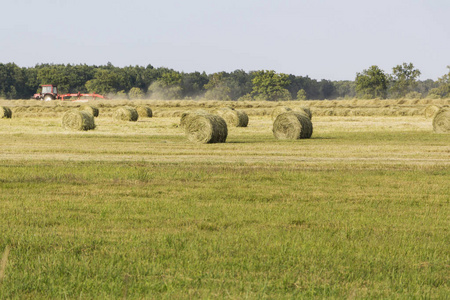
(174, 108)
(336, 139)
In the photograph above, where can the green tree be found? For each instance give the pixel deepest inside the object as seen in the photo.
(443, 89)
(217, 87)
(192, 84)
(13, 82)
(425, 86)
(301, 94)
(345, 89)
(371, 83)
(403, 80)
(104, 82)
(135, 93)
(268, 85)
(56, 75)
(166, 87)
(327, 89)
(240, 84)
(312, 88)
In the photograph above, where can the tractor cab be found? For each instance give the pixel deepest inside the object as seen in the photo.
(48, 92)
(49, 89)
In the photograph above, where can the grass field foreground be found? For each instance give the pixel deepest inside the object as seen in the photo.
(134, 211)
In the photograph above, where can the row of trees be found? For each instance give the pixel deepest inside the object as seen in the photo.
(162, 83)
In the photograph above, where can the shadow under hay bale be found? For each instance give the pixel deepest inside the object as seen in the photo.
(441, 121)
(205, 128)
(125, 113)
(144, 111)
(278, 111)
(5, 112)
(91, 109)
(233, 118)
(292, 125)
(78, 120)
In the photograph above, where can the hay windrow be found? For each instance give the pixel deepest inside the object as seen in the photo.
(431, 111)
(233, 118)
(144, 111)
(278, 111)
(91, 109)
(78, 120)
(5, 112)
(125, 113)
(441, 121)
(206, 128)
(292, 125)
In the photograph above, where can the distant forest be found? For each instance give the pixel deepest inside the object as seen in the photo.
(138, 82)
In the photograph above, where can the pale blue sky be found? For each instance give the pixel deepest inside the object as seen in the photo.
(324, 39)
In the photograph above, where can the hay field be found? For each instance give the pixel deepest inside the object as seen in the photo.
(135, 210)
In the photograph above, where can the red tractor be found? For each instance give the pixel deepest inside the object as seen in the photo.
(50, 92)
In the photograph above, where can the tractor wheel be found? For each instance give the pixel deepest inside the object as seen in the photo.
(48, 98)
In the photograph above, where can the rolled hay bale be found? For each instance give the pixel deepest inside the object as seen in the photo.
(431, 111)
(303, 109)
(292, 125)
(441, 121)
(206, 128)
(243, 118)
(125, 113)
(91, 109)
(278, 111)
(233, 118)
(144, 111)
(78, 120)
(5, 112)
(188, 115)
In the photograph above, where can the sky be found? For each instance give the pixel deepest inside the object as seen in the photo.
(322, 39)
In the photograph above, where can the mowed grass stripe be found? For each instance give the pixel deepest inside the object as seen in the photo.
(359, 146)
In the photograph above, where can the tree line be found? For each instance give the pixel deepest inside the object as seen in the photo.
(139, 82)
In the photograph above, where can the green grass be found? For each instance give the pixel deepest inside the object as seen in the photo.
(156, 230)
(134, 211)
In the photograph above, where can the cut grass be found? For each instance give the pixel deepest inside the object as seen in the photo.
(358, 211)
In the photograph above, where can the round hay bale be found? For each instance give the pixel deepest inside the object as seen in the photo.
(187, 115)
(125, 113)
(91, 109)
(234, 118)
(431, 111)
(206, 128)
(5, 112)
(279, 110)
(292, 125)
(305, 110)
(144, 111)
(243, 118)
(441, 121)
(78, 120)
